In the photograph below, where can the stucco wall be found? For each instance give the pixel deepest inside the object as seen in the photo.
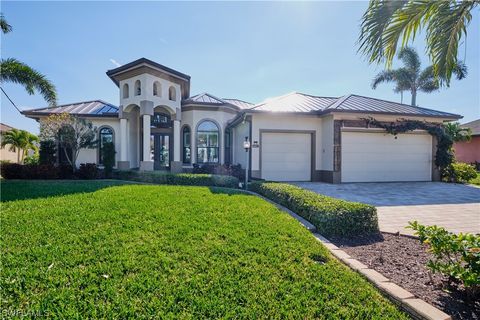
(274, 121)
(468, 152)
(91, 155)
(193, 119)
(7, 155)
(327, 144)
(239, 133)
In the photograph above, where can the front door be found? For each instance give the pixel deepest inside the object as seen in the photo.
(161, 151)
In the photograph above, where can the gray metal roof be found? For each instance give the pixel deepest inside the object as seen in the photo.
(356, 103)
(94, 108)
(205, 98)
(295, 102)
(239, 103)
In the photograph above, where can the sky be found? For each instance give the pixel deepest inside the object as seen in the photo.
(245, 50)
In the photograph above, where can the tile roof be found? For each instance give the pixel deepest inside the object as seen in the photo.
(94, 108)
(295, 102)
(5, 127)
(474, 125)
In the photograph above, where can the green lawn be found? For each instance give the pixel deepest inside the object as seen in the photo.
(139, 251)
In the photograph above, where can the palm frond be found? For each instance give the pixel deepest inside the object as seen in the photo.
(383, 76)
(410, 58)
(12, 70)
(6, 28)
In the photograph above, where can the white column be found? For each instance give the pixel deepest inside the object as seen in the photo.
(146, 137)
(123, 140)
(176, 140)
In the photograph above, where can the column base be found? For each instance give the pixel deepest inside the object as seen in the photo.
(176, 167)
(123, 165)
(146, 165)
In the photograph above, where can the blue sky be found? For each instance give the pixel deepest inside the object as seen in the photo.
(248, 50)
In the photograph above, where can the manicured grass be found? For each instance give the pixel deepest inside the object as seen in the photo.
(141, 251)
(476, 180)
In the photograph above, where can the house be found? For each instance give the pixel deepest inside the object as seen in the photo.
(5, 153)
(158, 125)
(469, 151)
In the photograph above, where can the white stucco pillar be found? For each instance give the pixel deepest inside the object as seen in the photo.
(123, 139)
(176, 140)
(146, 137)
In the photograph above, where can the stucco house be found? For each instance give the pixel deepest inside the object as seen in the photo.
(158, 125)
(469, 151)
(5, 153)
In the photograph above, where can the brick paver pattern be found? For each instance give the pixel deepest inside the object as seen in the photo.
(455, 207)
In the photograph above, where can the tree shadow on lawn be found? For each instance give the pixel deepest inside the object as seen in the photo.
(12, 190)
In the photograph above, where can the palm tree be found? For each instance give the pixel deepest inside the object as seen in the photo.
(21, 140)
(12, 70)
(389, 24)
(411, 78)
(457, 133)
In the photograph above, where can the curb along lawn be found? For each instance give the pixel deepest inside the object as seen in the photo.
(107, 251)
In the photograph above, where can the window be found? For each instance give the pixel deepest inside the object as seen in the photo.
(105, 136)
(207, 143)
(160, 120)
(172, 93)
(227, 146)
(125, 91)
(186, 143)
(157, 89)
(138, 88)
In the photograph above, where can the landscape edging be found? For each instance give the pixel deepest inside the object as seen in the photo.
(416, 308)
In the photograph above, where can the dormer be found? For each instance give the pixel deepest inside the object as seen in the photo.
(144, 79)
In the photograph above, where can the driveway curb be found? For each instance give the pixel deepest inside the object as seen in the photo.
(416, 308)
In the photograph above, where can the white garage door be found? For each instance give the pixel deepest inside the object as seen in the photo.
(370, 157)
(286, 156)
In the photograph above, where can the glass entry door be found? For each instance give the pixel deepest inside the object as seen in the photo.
(160, 152)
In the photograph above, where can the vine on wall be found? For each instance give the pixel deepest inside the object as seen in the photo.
(443, 156)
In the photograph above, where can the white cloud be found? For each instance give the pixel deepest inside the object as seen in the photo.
(115, 62)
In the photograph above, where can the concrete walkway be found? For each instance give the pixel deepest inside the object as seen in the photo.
(453, 206)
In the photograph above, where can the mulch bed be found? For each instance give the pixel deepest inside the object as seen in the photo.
(402, 259)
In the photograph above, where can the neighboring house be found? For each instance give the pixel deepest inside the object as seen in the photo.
(469, 152)
(158, 125)
(5, 153)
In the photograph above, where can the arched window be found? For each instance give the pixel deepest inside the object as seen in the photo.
(105, 135)
(186, 145)
(125, 91)
(207, 142)
(172, 93)
(157, 89)
(138, 88)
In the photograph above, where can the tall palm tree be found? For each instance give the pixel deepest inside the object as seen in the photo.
(387, 25)
(20, 140)
(12, 70)
(411, 78)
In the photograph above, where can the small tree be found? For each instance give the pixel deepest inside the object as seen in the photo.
(457, 133)
(48, 149)
(69, 132)
(108, 154)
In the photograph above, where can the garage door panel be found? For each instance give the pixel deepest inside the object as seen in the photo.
(369, 157)
(286, 156)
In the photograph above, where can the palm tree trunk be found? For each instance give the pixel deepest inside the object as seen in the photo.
(18, 155)
(414, 97)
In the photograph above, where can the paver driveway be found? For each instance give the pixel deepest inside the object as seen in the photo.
(453, 206)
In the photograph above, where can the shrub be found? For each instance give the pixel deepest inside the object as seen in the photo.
(28, 171)
(108, 158)
(455, 255)
(87, 171)
(459, 172)
(65, 171)
(47, 153)
(33, 159)
(189, 179)
(332, 217)
(234, 170)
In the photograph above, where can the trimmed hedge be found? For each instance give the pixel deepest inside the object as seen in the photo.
(332, 217)
(47, 171)
(187, 179)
